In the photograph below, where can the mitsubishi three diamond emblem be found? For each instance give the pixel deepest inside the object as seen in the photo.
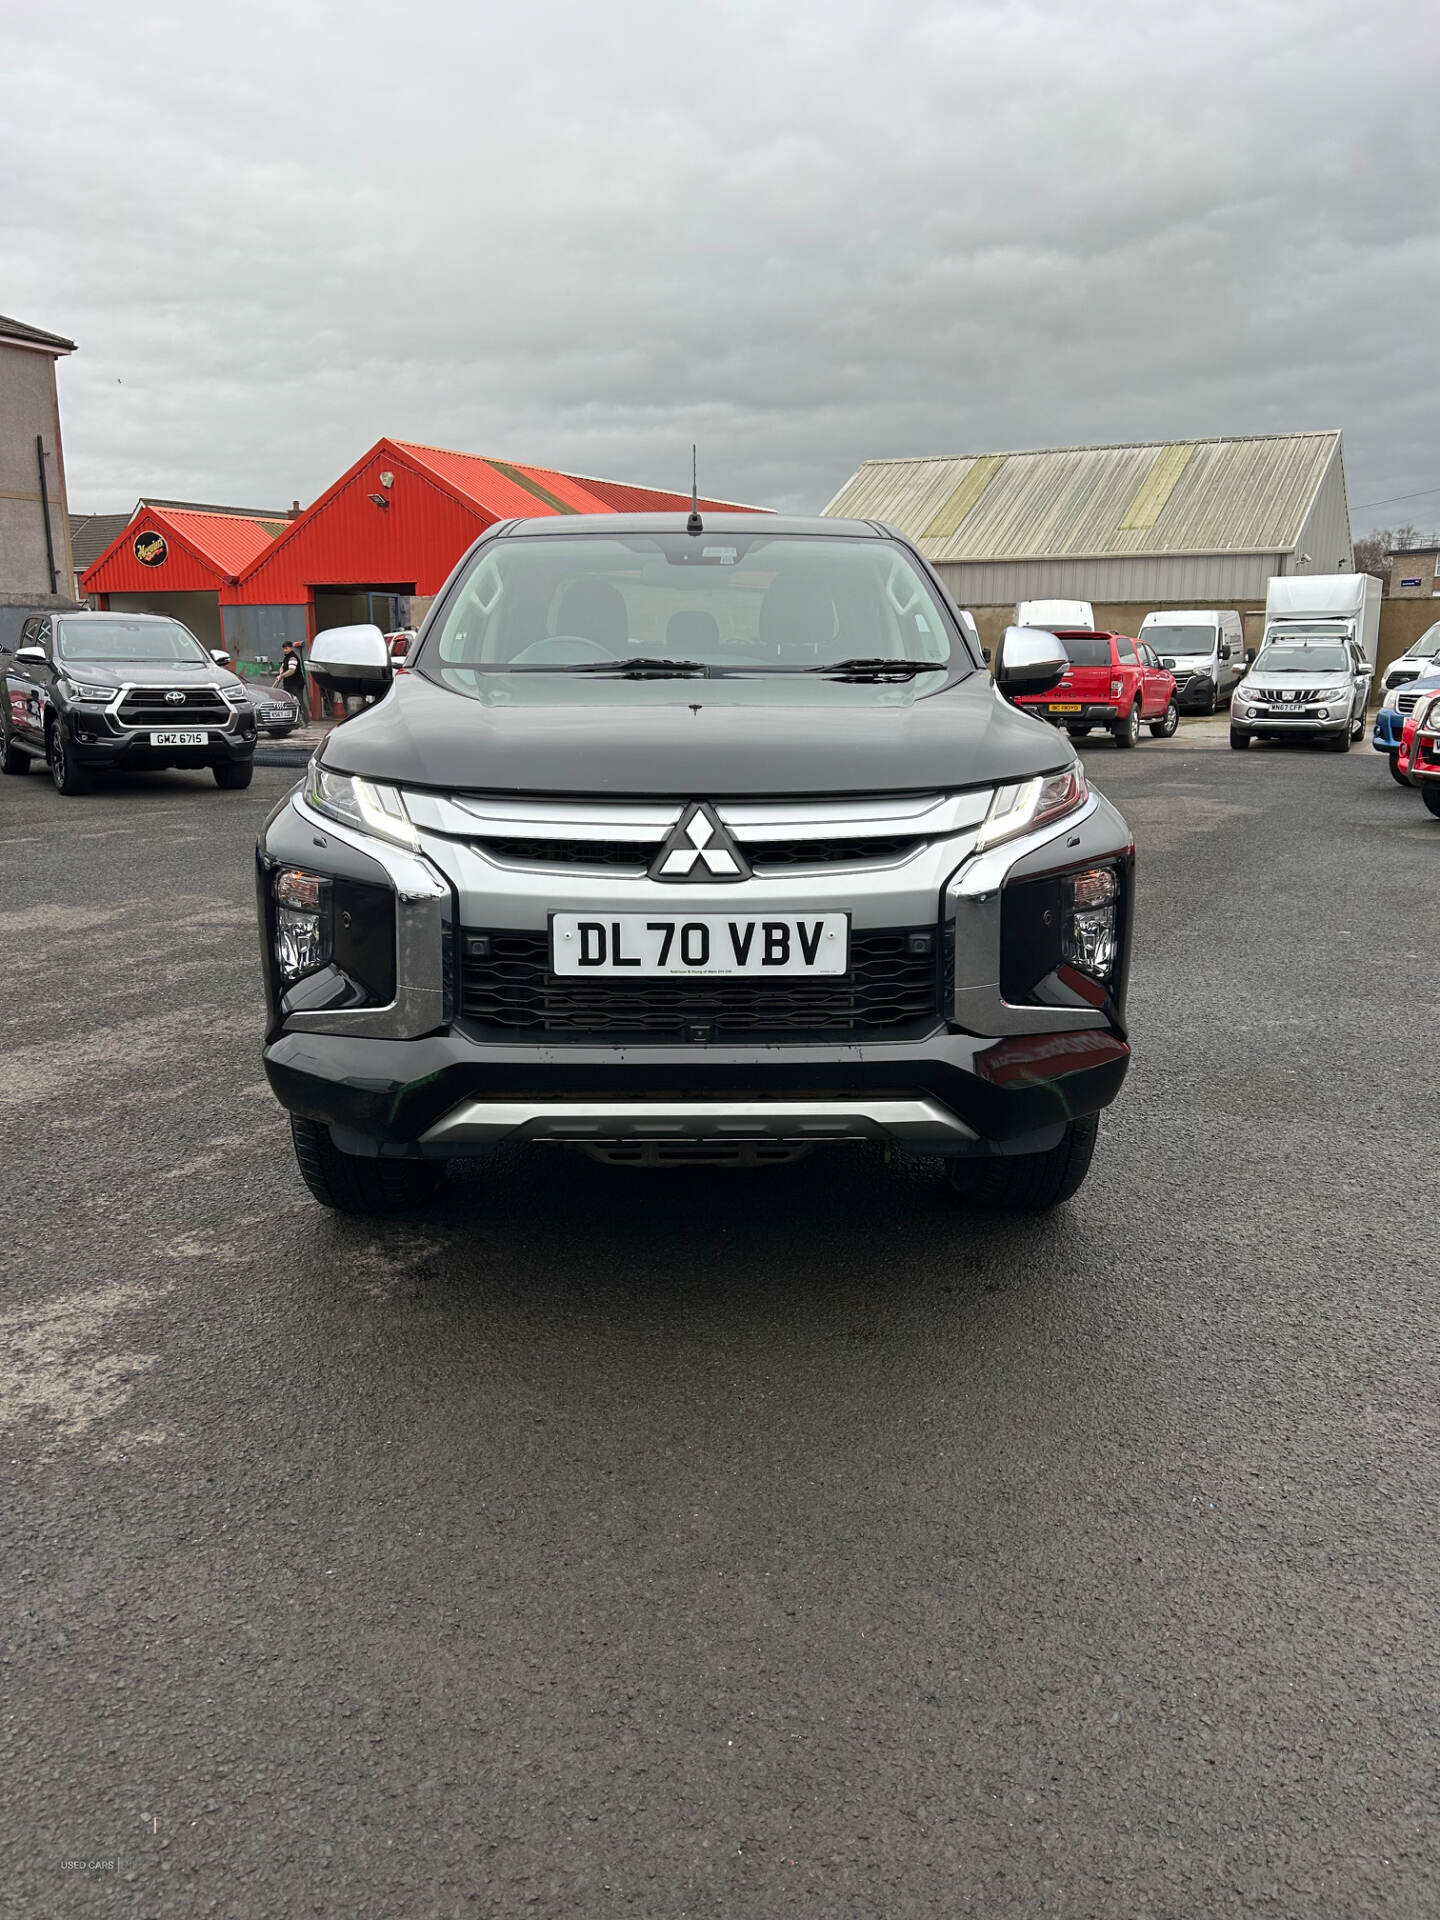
(699, 848)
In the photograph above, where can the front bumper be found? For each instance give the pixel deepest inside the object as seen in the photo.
(417, 1077)
(1278, 721)
(1424, 765)
(94, 745)
(1389, 727)
(948, 1093)
(1195, 694)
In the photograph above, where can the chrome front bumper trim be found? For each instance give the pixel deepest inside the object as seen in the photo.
(915, 1121)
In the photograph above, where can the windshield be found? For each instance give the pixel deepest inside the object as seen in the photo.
(165, 641)
(1302, 656)
(1178, 640)
(1426, 645)
(570, 611)
(1085, 649)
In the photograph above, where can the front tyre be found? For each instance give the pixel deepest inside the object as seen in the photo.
(1341, 742)
(66, 771)
(1392, 760)
(1127, 734)
(1163, 728)
(234, 776)
(350, 1185)
(1430, 794)
(1029, 1182)
(1239, 740)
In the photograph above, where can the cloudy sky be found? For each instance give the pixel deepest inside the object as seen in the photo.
(804, 234)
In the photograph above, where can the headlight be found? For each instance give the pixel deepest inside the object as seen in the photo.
(1032, 803)
(1392, 698)
(366, 804)
(1333, 694)
(237, 696)
(80, 690)
(1431, 719)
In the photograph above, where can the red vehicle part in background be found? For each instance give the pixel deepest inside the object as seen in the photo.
(1112, 682)
(1420, 753)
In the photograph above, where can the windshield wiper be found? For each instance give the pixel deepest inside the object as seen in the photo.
(878, 669)
(639, 669)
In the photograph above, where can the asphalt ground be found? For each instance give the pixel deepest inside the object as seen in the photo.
(777, 1543)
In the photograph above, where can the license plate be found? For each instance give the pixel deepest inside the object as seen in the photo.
(166, 737)
(642, 946)
(1066, 706)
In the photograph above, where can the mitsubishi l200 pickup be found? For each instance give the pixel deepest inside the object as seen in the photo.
(681, 841)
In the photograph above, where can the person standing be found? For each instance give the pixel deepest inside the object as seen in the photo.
(291, 679)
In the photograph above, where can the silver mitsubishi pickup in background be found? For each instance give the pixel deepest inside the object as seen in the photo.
(682, 841)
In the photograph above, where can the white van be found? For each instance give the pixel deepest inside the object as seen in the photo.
(1203, 648)
(1077, 616)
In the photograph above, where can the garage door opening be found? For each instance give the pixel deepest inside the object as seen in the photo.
(386, 607)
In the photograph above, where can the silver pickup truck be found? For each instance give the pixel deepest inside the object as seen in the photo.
(687, 841)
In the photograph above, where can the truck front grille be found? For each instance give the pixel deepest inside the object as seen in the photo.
(508, 990)
(157, 707)
(763, 854)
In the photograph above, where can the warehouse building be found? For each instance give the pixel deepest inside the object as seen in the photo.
(1189, 523)
(377, 546)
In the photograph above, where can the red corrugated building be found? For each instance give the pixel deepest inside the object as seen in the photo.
(378, 545)
(182, 562)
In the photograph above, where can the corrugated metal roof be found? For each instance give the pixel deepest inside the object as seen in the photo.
(1248, 495)
(226, 539)
(510, 490)
(206, 551)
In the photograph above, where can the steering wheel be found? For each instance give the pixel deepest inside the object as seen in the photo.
(560, 650)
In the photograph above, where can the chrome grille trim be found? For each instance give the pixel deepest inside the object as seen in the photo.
(645, 824)
(138, 709)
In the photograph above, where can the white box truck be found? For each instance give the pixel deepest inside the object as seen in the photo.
(1323, 606)
(1057, 615)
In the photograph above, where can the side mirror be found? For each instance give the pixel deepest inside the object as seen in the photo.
(1031, 661)
(351, 660)
(1250, 656)
(220, 657)
(1225, 650)
(987, 655)
(36, 655)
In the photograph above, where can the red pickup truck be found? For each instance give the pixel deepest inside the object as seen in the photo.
(1112, 682)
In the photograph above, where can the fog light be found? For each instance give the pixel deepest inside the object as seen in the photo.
(1090, 935)
(1252, 713)
(302, 922)
(1322, 713)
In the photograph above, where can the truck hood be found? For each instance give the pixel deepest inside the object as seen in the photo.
(422, 735)
(147, 673)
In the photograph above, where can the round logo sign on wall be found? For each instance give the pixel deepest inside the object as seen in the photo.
(151, 550)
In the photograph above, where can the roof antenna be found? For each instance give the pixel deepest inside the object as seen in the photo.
(694, 524)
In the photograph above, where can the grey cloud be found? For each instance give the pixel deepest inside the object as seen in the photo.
(805, 234)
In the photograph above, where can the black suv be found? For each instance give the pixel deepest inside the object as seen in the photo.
(124, 692)
(680, 841)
